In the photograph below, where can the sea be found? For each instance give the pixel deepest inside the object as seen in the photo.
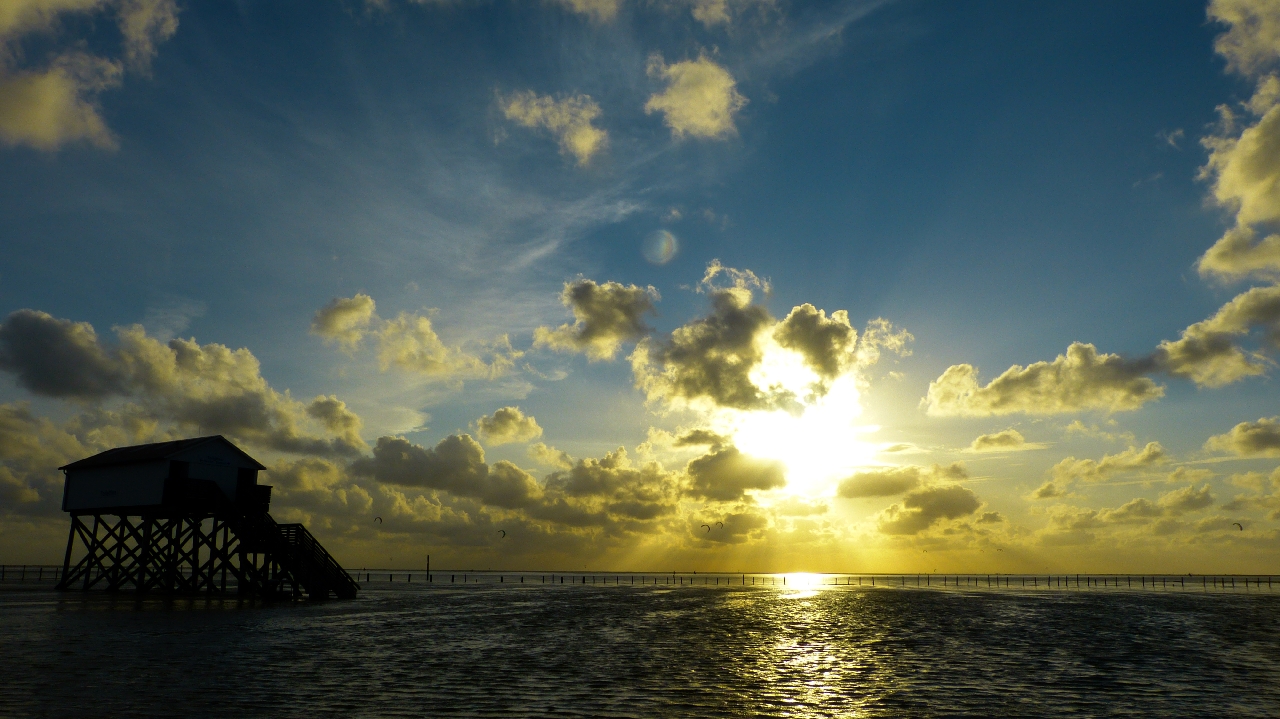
(518, 645)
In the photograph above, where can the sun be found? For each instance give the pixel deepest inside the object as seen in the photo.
(821, 442)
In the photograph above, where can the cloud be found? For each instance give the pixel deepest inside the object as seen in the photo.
(616, 486)
(409, 342)
(1081, 379)
(827, 345)
(210, 389)
(710, 359)
(144, 23)
(605, 316)
(1008, 440)
(47, 107)
(345, 320)
(506, 426)
(549, 456)
(1206, 353)
(740, 357)
(700, 99)
(923, 508)
(456, 465)
(58, 358)
(1249, 439)
(727, 474)
(888, 481)
(597, 10)
(1186, 499)
(569, 119)
(1252, 43)
(1071, 469)
(1245, 166)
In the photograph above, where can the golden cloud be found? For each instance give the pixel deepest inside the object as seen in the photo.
(507, 425)
(700, 99)
(1249, 439)
(50, 106)
(1081, 379)
(345, 320)
(889, 481)
(569, 119)
(210, 389)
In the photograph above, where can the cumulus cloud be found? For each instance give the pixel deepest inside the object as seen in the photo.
(1008, 440)
(740, 357)
(569, 119)
(1249, 439)
(826, 344)
(456, 465)
(889, 481)
(605, 316)
(700, 99)
(1081, 379)
(923, 508)
(709, 359)
(210, 389)
(597, 10)
(726, 474)
(1090, 470)
(409, 342)
(614, 485)
(47, 107)
(506, 426)
(345, 320)
(1243, 165)
(58, 358)
(547, 455)
(1186, 499)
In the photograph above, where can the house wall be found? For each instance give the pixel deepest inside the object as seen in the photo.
(130, 485)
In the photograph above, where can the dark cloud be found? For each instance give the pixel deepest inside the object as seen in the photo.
(727, 474)
(58, 358)
(710, 359)
(1249, 439)
(456, 465)
(605, 316)
(888, 481)
(923, 508)
(827, 344)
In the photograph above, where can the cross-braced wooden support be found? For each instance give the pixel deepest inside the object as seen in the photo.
(180, 555)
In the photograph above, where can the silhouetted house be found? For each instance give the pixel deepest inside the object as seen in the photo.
(167, 476)
(187, 516)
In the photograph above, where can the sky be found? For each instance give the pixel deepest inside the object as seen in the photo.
(713, 285)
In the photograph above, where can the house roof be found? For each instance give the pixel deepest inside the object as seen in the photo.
(152, 452)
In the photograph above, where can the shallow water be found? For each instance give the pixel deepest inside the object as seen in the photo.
(481, 650)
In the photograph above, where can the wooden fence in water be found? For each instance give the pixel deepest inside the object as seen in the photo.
(36, 574)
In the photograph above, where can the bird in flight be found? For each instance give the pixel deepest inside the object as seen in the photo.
(378, 520)
(1237, 524)
(708, 526)
(503, 532)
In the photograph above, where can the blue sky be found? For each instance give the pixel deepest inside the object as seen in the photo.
(999, 180)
